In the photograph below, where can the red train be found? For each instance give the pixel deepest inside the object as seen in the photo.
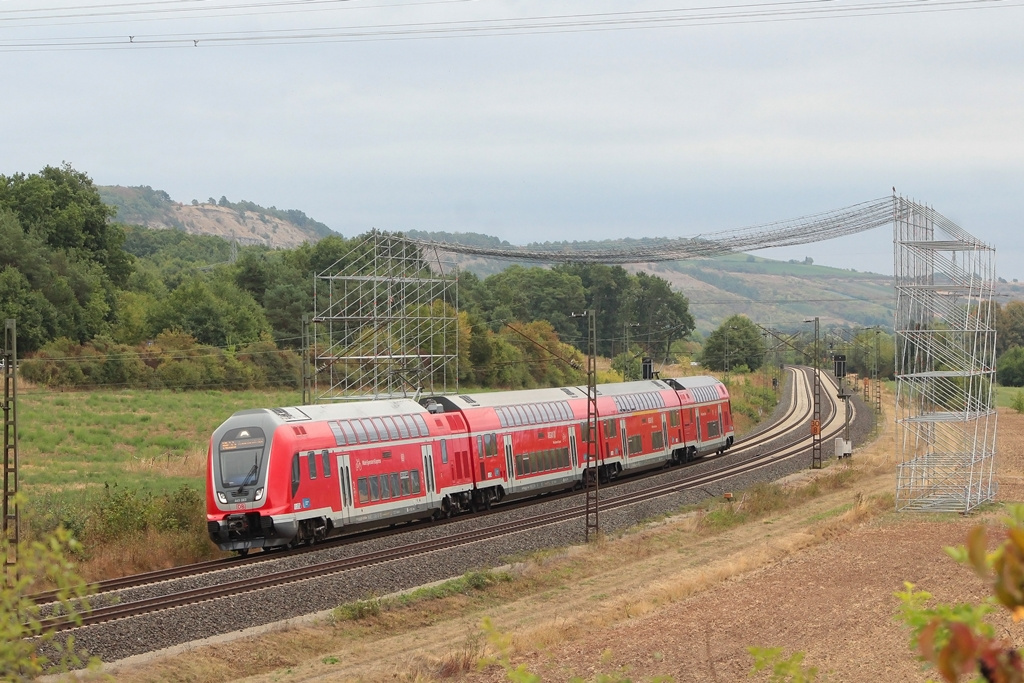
(286, 476)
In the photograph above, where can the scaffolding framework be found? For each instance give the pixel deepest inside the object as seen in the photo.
(385, 323)
(945, 363)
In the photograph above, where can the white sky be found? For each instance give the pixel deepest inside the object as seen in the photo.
(669, 131)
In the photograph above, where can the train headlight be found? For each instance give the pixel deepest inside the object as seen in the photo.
(222, 498)
(259, 494)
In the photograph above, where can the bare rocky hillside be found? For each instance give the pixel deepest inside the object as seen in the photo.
(244, 222)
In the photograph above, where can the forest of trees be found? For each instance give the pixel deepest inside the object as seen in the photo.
(86, 288)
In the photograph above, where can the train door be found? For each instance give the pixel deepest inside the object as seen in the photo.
(622, 437)
(427, 451)
(509, 461)
(664, 433)
(572, 447)
(345, 482)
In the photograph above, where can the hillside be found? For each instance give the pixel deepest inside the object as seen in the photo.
(767, 291)
(244, 221)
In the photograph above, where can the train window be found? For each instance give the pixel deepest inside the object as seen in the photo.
(611, 430)
(526, 465)
(403, 426)
(490, 445)
(311, 457)
(444, 451)
(326, 457)
(374, 489)
(391, 427)
(565, 458)
(519, 464)
(406, 490)
(396, 490)
(546, 410)
(657, 441)
(536, 413)
(385, 490)
(371, 432)
(386, 455)
(364, 490)
(378, 424)
(295, 473)
(422, 424)
(415, 475)
(361, 436)
(350, 434)
(520, 415)
(636, 444)
(566, 413)
(673, 418)
(584, 431)
(339, 437)
(713, 431)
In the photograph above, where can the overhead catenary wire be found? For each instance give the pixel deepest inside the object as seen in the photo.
(676, 17)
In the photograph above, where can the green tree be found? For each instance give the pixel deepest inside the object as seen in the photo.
(1009, 322)
(1010, 368)
(29, 646)
(529, 294)
(606, 290)
(62, 207)
(662, 315)
(736, 342)
(214, 311)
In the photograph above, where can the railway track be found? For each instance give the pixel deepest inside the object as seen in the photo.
(787, 436)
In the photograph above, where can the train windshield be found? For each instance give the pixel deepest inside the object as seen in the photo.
(241, 456)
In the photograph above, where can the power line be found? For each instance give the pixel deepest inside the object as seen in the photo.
(677, 17)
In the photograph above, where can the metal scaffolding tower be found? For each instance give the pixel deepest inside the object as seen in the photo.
(945, 363)
(385, 323)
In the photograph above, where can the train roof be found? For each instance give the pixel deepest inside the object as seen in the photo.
(694, 381)
(342, 411)
(496, 399)
(626, 388)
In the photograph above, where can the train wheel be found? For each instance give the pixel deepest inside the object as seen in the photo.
(243, 552)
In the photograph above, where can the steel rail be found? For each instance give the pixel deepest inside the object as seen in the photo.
(785, 425)
(274, 579)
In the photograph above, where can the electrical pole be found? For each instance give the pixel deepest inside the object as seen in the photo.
(307, 376)
(12, 516)
(816, 419)
(590, 473)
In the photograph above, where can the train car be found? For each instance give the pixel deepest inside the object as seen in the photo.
(524, 442)
(288, 476)
(295, 475)
(705, 414)
(638, 426)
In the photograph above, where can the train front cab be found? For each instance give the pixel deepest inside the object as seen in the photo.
(241, 494)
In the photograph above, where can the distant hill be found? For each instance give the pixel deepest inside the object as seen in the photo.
(769, 292)
(244, 221)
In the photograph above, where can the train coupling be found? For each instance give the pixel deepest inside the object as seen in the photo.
(243, 531)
